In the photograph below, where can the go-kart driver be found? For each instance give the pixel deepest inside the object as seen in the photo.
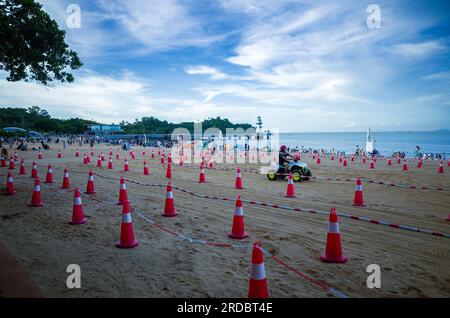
(284, 158)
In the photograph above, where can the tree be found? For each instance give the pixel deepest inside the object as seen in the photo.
(32, 47)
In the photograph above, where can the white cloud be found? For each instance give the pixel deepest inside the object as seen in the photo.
(205, 70)
(418, 50)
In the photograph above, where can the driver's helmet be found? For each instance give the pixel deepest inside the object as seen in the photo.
(283, 148)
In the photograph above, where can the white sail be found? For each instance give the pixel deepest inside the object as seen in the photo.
(369, 142)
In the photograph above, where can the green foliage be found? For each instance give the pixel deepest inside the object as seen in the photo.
(32, 47)
(38, 119)
(153, 125)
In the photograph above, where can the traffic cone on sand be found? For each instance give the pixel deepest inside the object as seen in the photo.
(238, 229)
(364, 159)
(345, 162)
(22, 170)
(257, 287)
(318, 160)
(202, 178)
(2, 161)
(59, 154)
(90, 188)
(441, 167)
(110, 164)
(11, 164)
(49, 177)
(358, 199)
(34, 170)
(99, 162)
(372, 164)
(169, 171)
(389, 162)
(10, 189)
(117, 156)
(420, 164)
(85, 159)
(126, 167)
(40, 155)
(36, 198)
(405, 165)
(127, 239)
(238, 183)
(146, 173)
(290, 192)
(77, 153)
(333, 250)
(66, 180)
(123, 196)
(77, 211)
(169, 206)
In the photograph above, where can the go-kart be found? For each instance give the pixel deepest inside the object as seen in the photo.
(299, 170)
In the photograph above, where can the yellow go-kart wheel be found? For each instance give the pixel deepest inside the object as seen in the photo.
(272, 175)
(297, 176)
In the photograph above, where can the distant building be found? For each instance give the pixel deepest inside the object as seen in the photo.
(103, 130)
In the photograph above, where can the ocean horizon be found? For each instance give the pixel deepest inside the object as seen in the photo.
(386, 142)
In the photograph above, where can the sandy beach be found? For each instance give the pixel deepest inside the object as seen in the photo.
(163, 265)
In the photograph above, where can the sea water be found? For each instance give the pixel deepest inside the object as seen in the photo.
(385, 142)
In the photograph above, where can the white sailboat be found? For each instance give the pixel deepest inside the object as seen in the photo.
(370, 142)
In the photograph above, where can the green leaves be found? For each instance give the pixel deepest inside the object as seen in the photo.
(32, 47)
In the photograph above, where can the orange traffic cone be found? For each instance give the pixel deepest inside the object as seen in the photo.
(258, 282)
(126, 168)
(211, 165)
(389, 162)
(36, 198)
(127, 239)
(332, 158)
(49, 177)
(123, 196)
(99, 162)
(405, 165)
(238, 229)
(345, 162)
(110, 163)
(364, 159)
(290, 192)
(169, 171)
(85, 159)
(77, 211)
(34, 170)
(333, 251)
(22, 170)
(2, 161)
(77, 153)
(353, 158)
(40, 155)
(398, 160)
(102, 156)
(10, 190)
(441, 167)
(117, 156)
(11, 164)
(92, 152)
(318, 160)
(162, 160)
(202, 178)
(90, 188)
(153, 154)
(340, 159)
(66, 180)
(59, 154)
(238, 183)
(169, 206)
(146, 173)
(372, 165)
(419, 164)
(358, 199)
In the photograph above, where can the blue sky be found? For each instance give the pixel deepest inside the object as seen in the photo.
(301, 65)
